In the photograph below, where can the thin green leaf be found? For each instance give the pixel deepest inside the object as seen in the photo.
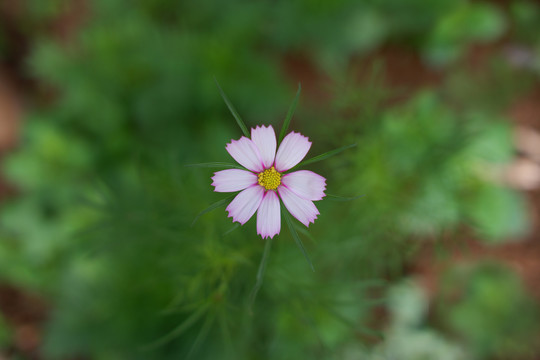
(201, 336)
(186, 324)
(290, 114)
(233, 110)
(174, 306)
(214, 206)
(304, 232)
(235, 226)
(216, 165)
(260, 273)
(296, 237)
(342, 198)
(367, 284)
(308, 319)
(352, 325)
(325, 156)
(226, 333)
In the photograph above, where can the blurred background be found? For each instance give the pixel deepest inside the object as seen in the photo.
(104, 102)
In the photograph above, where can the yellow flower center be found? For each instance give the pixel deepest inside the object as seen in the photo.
(269, 179)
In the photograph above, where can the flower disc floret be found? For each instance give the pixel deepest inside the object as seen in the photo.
(270, 179)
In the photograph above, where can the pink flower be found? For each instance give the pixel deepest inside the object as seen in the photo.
(266, 180)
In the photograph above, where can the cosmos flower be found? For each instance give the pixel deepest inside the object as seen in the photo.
(266, 180)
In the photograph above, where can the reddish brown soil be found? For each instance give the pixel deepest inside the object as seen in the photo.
(10, 114)
(25, 313)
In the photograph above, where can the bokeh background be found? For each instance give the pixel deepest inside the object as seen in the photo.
(104, 102)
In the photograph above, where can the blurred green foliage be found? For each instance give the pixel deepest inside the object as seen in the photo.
(466, 24)
(526, 15)
(423, 165)
(487, 306)
(481, 312)
(526, 30)
(410, 335)
(5, 332)
(102, 224)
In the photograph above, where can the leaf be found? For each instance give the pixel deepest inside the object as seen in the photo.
(359, 328)
(325, 156)
(290, 114)
(304, 232)
(186, 324)
(233, 111)
(235, 226)
(213, 207)
(226, 332)
(341, 198)
(296, 237)
(260, 273)
(201, 336)
(216, 164)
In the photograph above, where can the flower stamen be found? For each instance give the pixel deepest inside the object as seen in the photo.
(270, 179)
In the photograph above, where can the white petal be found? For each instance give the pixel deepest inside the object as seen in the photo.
(245, 152)
(269, 216)
(304, 210)
(265, 139)
(305, 184)
(292, 150)
(233, 180)
(245, 204)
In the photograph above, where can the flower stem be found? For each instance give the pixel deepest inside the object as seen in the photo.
(260, 274)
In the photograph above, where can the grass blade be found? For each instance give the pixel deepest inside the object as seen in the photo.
(290, 114)
(260, 273)
(216, 165)
(342, 198)
(325, 156)
(296, 237)
(233, 111)
(213, 207)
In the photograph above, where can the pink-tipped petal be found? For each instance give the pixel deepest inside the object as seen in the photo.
(292, 150)
(269, 216)
(265, 139)
(233, 180)
(304, 210)
(305, 184)
(245, 152)
(245, 204)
